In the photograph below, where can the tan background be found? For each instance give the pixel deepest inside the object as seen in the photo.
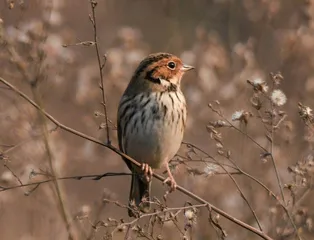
(229, 41)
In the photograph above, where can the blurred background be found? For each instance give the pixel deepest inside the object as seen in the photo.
(228, 41)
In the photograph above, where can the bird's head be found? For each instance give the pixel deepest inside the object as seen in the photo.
(160, 72)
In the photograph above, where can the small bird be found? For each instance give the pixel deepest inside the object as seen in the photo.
(151, 122)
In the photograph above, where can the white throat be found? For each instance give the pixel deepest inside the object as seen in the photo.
(165, 83)
(173, 82)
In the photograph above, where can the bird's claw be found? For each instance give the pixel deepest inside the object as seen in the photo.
(147, 171)
(171, 182)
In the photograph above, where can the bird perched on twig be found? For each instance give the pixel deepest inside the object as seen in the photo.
(151, 122)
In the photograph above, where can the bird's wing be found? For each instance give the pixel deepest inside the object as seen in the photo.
(121, 134)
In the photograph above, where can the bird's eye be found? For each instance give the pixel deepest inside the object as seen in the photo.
(171, 65)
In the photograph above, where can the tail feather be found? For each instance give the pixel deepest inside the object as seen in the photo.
(140, 191)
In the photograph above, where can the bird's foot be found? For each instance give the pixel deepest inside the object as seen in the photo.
(171, 182)
(147, 171)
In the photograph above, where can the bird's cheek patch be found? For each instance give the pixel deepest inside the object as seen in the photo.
(165, 83)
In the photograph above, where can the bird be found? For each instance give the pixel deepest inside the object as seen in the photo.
(151, 121)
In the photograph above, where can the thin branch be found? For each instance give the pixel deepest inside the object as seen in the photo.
(94, 177)
(101, 66)
(272, 156)
(274, 164)
(177, 209)
(270, 192)
(14, 175)
(272, 143)
(233, 180)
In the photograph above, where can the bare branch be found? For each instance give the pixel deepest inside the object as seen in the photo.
(114, 149)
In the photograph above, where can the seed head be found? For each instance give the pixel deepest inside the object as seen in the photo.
(189, 214)
(259, 85)
(237, 116)
(278, 97)
(305, 112)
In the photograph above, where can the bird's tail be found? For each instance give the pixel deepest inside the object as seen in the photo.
(139, 194)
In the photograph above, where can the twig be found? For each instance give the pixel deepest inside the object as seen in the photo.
(233, 180)
(94, 177)
(273, 160)
(270, 192)
(275, 167)
(178, 209)
(101, 66)
(14, 175)
(272, 144)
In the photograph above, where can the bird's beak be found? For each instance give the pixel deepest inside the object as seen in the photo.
(186, 68)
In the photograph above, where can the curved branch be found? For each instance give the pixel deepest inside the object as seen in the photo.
(157, 176)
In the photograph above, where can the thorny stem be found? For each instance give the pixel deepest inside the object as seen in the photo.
(114, 149)
(100, 66)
